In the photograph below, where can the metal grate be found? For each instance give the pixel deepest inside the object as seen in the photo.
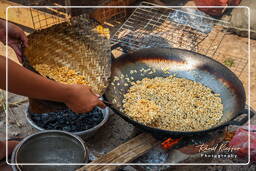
(42, 20)
(185, 28)
(46, 17)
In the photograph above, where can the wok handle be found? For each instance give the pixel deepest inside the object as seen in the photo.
(242, 121)
(106, 102)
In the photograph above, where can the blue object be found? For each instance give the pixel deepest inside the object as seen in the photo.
(193, 18)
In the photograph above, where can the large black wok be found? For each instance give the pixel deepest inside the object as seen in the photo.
(184, 64)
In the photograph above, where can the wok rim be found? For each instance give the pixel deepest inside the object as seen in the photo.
(170, 132)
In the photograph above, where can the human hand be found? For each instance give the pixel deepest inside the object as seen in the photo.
(16, 38)
(81, 99)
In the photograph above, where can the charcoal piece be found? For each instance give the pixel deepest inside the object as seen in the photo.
(52, 118)
(74, 117)
(45, 121)
(59, 116)
(67, 120)
(61, 121)
(65, 114)
(40, 124)
(36, 119)
(49, 127)
(73, 128)
(67, 128)
(44, 116)
(53, 125)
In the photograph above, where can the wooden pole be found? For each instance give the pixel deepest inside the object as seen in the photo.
(124, 153)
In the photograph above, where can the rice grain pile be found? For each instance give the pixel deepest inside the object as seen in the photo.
(173, 103)
(60, 74)
(64, 75)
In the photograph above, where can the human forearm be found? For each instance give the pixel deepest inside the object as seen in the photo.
(78, 98)
(24, 82)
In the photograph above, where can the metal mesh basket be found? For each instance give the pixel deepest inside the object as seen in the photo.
(76, 45)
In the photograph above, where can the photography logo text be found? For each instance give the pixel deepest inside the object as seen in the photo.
(218, 151)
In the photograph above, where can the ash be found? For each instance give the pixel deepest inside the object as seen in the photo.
(156, 155)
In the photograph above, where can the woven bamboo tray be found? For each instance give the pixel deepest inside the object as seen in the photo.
(76, 45)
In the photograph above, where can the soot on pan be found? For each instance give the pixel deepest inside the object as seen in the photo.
(67, 120)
